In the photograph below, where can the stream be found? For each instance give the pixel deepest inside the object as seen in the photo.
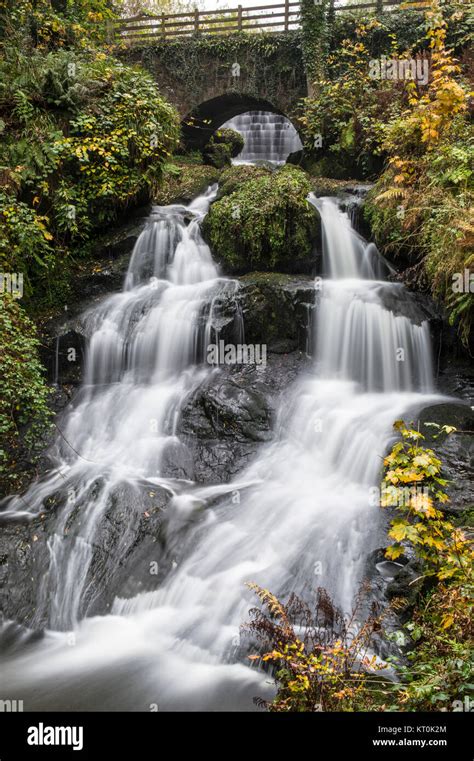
(300, 515)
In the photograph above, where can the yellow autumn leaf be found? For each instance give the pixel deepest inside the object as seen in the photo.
(447, 620)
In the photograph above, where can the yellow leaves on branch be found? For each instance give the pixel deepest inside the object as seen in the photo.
(412, 484)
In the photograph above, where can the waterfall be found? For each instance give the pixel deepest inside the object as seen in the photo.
(267, 137)
(302, 515)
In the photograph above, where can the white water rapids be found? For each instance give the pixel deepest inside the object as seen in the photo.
(305, 516)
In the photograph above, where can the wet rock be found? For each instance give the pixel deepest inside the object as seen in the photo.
(126, 552)
(403, 581)
(128, 555)
(455, 377)
(274, 309)
(388, 569)
(406, 586)
(455, 451)
(231, 416)
(64, 356)
(23, 560)
(295, 158)
(277, 310)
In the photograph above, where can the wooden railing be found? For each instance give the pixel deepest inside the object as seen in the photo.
(279, 17)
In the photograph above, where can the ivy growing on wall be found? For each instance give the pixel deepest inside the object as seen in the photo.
(315, 38)
(185, 69)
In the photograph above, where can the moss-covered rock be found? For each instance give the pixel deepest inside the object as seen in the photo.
(230, 137)
(224, 145)
(187, 182)
(234, 177)
(265, 224)
(327, 186)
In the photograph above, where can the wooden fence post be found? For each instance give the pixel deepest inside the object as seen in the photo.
(239, 18)
(379, 7)
(287, 15)
(196, 20)
(163, 30)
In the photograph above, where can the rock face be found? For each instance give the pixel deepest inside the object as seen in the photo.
(127, 542)
(278, 310)
(456, 451)
(232, 415)
(223, 146)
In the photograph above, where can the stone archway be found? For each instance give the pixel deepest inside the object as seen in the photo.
(203, 120)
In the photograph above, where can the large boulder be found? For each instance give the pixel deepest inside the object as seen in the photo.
(266, 224)
(231, 416)
(224, 145)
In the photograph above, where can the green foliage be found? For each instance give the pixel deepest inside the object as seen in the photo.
(266, 223)
(24, 398)
(343, 121)
(50, 25)
(440, 664)
(116, 146)
(413, 484)
(224, 145)
(217, 154)
(405, 28)
(184, 182)
(314, 38)
(421, 207)
(24, 238)
(85, 136)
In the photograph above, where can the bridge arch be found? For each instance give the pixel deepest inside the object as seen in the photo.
(200, 123)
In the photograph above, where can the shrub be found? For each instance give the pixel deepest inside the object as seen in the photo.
(80, 144)
(421, 207)
(440, 663)
(24, 398)
(323, 667)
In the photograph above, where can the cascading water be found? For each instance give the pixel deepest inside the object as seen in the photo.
(267, 137)
(305, 514)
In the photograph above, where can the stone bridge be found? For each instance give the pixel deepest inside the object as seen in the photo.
(212, 66)
(209, 80)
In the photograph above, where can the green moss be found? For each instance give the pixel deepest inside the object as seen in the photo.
(266, 223)
(217, 154)
(185, 183)
(24, 398)
(224, 145)
(328, 186)
(234, 177)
